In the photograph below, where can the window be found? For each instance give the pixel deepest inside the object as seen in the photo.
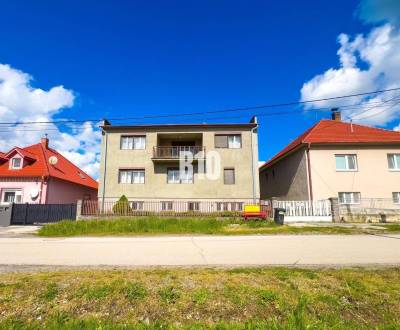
(223, 206)
(226, 206)
(234, 141)
(396, 197)
(174, 176)
(349, 197)
(166, 206)
(133, 142)
(346, 162)
(394, 162)
(12, 196)
(131, 176)
(193, 206)
(137, 206)
(16, 163)
(229, 176)
(231, 141)
(237, 206)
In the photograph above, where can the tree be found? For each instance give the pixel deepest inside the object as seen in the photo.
(122, 206)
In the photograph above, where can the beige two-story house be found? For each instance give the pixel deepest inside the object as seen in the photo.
(143, 162)
(336, 159)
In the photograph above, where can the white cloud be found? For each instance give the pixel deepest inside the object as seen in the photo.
(367, 63)
(20, 102)
(397, 128)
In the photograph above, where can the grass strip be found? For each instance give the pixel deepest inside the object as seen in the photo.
(243, 298)
(208, 226)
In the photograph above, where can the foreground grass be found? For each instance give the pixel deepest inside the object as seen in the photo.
(276, 298)
(160, 225)
(209, 226)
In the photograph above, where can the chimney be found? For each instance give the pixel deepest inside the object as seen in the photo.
(44, 141)
(254, 120)
(336, 115)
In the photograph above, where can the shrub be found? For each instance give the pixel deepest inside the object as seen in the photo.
(169, 294)
(135, 291)
(122, 206)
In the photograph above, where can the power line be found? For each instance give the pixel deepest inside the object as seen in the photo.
(207, 112)
(8, 129)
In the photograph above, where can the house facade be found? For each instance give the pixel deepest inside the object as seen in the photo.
(38, 174)
(336, 159)
(144, 163)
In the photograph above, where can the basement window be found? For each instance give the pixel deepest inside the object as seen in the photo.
(349, 197)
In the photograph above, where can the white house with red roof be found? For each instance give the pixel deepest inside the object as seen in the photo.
(335, 159)
(39, 174)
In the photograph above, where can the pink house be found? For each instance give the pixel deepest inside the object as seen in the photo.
(39, 174)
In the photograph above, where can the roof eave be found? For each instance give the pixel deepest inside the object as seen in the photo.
(116, 127)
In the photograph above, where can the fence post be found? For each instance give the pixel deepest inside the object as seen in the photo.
(26, 213)
(335, 209)
(273, 199)
(78, 209)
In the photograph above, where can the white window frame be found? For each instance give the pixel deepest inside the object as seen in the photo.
(17, 192)
(137, 205)
(234, 141)
(20, 163)
(177, 178)
(396, 162)
(351, 200)
(133, 142)
(346, 157)
(132, 176)
(396, 200)
(167, 205)
(194, 205)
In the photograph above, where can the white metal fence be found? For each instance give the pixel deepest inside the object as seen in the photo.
(316, 211)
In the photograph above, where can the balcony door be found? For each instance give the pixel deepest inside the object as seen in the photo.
(180, 146)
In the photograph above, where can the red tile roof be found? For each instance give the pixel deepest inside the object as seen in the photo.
(40, 166)
(338, 132)
(24, 153)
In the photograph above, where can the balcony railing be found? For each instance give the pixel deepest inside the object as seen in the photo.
(176, 152)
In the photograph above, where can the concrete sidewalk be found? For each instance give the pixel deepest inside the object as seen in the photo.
(298, 250)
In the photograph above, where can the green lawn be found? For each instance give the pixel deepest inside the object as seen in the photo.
(162, 225)
(254, 298)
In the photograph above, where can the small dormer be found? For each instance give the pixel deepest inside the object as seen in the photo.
(19, 158)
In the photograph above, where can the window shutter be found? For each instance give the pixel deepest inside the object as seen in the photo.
(229, 176)
(221, 141)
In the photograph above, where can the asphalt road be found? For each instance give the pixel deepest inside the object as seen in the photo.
(290, 250)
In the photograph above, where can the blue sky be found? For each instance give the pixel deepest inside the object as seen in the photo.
(137, 58)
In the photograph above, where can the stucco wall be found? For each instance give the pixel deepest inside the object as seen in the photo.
(373, 179)
(63, 192)
(286, 179)
(26, 186)
(156, 185)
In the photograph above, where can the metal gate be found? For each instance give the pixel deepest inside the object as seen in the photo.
(28, 214)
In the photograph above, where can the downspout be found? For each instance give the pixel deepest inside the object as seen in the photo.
(41, 190)
(309, 181)
(105, 170)
(253, 167)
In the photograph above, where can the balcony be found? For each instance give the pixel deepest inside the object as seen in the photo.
(174, 153)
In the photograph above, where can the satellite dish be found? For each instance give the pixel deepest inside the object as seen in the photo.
(53, 160)
(34, 193)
